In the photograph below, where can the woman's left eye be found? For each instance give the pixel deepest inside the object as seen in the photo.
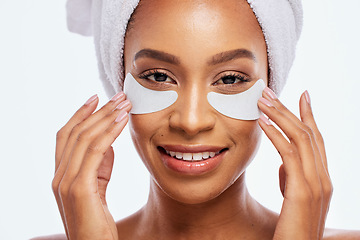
(231, 79)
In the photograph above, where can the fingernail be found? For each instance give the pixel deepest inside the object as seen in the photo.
(265, 120)
(266, 102)
(307, 97)
(91, 99)
(117, 96)
(124, 104)
(121, 116)
(270, 93)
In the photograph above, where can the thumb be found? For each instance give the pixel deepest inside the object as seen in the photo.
(104, 173)
(282, 179)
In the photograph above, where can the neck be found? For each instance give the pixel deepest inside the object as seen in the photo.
(232, 212)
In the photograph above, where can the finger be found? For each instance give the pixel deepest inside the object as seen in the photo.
(298, 137)
(309, 152)
(63, 134)
(308, 126)
(292, 173)
(67, 137)
(289, 154)
(78, 128)
(97, 149)
(81, 146)
(61, 139)
(307, 117)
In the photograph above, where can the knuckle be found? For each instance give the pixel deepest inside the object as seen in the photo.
(317, 195)
(55, 186)
(95, 149)
(62, 133)
(308, 130)
(76, 190)
(109, 131)
(304, 136)
(320, 138)
(63, 189)
(290, 152)
(279, 105)
(83, 136)
(328, 189)
(76, 130)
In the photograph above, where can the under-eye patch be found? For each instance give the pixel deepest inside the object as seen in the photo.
(239, 106)
(145, 100)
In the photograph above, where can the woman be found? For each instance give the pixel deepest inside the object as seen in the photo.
(193, 48)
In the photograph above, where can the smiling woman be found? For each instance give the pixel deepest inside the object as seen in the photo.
(196, 154)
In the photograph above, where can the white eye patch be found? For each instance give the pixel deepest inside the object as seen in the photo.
(239, 106)
(145, 100)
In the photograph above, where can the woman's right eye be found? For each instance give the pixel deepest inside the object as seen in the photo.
(157, 77)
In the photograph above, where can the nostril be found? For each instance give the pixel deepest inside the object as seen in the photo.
(192, 124)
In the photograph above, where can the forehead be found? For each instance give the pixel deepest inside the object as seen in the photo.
(195, 27)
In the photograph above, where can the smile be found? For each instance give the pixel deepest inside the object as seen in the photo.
(192, 159)
(192, 156)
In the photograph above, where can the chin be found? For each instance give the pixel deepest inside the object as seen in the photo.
(193, 193)
(198, 189)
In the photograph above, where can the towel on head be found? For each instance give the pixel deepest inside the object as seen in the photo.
(281, 22)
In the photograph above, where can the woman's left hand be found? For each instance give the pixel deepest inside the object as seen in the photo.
(304, 177)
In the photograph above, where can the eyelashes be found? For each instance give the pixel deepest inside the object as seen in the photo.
(156, 76)
(232, 78)
(226, 82)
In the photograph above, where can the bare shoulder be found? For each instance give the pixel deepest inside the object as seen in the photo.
(337, 234)
(51, 237)
(128, 228)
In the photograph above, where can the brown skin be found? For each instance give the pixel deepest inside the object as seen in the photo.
(196, 201)
(214, 205)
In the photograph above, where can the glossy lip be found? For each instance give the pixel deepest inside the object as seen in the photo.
(192, 167)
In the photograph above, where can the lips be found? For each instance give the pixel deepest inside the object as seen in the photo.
(191, 159)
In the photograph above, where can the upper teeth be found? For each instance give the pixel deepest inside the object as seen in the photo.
(192, 156)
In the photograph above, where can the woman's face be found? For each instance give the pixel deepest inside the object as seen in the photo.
(195, 47)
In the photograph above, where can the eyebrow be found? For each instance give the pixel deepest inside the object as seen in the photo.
(231, 55)
(158, 55)
(216, 59)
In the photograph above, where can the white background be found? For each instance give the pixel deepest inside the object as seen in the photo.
(46, 73)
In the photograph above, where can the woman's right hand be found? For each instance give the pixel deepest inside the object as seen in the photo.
(83, 165)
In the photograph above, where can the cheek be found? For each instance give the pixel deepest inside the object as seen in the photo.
(143, 134)
(247, 138)
(140, 134)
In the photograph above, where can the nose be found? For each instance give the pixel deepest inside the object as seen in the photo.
(192, 113)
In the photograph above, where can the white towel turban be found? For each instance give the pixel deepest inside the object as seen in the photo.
(281, 22)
